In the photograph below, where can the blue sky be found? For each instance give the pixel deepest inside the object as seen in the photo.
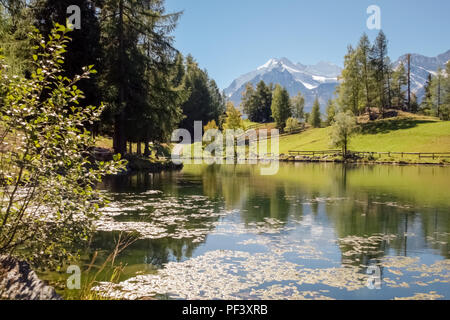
(232, 37)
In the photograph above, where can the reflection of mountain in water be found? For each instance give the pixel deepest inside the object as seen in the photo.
(383, 208)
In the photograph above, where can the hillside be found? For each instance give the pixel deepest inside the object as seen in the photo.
(396, 135)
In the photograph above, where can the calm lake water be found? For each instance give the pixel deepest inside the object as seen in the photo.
(313, 231)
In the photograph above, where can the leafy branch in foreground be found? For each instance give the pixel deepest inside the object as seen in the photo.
(48, 202)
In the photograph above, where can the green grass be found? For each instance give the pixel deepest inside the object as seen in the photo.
(401, 134)
(395, 135)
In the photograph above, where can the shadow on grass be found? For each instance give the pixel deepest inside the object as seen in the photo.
(385, 126)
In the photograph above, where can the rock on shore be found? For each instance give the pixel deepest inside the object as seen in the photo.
(19, 282)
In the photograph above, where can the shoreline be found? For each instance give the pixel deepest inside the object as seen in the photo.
(364, 162)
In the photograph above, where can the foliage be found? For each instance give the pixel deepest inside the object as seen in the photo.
(210, 125)
(15, 25)
(138, 75)
(48, 203)
(292, 125)
(234, 118)
(342, 129)
(314, 117)
(281, 107)
(298, 105)
(257, 103)
(205, 102)
(399, 80)
(331, 112)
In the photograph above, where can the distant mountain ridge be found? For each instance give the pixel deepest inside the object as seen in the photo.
(421, 66)
(320, 80)
(316, 80)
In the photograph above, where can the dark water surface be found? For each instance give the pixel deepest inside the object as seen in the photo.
(312, 231)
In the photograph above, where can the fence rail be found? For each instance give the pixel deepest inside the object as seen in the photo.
(420, 155)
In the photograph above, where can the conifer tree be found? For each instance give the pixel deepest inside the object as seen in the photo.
(315, 117)
(298, 106)
(331, 112)
(399, 79)
(281, 107)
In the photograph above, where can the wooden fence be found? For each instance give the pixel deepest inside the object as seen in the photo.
(362, 154)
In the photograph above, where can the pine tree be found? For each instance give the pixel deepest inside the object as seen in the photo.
(378, 60)
(298, 106)
(350, 90)
(399, 80)
(247, 103)
(205, 102)
(257, 102)
(437, 93)
(314, 118)
(363, 56)
(427, 102)
(263, 102)
(331, 112)
(446, 97)
(281, 107)
(16, 22)
(137, 46)
(84, 48)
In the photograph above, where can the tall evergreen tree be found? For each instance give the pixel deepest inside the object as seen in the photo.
(205, 103)
(84, 48)
(315, 117)
(248, 104)
(331, 112)
(351, 91)
(399, 81)
(378, 60)
(281, 107)
(135, 39)
(257, 102)
(298, 106)
(364, 51)
(427, 102)
(15, 44)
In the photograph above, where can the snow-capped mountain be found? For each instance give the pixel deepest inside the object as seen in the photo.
(316, 80)
(421, 66)
(321, 79)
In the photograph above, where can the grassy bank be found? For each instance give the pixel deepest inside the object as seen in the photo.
(394, 135)
(405, 133)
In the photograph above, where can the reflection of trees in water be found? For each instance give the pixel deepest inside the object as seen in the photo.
(151, 252)
(436, 229)
(362, 207)
(242, 189)
(156, 252)
(142, 181)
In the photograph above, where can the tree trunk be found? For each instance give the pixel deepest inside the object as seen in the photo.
(120, 141)
(146, 148)
(138, 148)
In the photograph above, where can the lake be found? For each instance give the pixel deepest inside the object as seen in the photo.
(312, 231)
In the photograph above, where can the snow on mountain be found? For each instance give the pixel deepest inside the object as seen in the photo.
(316, 80)
(320, 80)
(421, 66)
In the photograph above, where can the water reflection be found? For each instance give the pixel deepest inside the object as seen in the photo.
(353, 216)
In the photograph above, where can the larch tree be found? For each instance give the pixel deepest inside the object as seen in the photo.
(298, 106)
(281, 107)
(315, 117)
(399, 81)
(331, 112)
